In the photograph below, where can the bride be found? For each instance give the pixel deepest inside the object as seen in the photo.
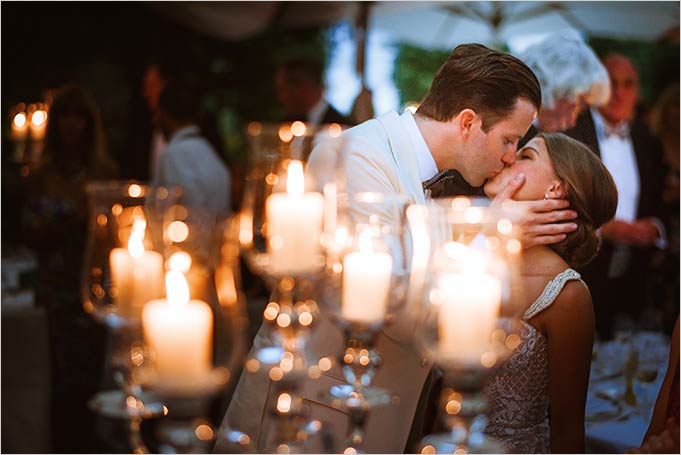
(546, 379)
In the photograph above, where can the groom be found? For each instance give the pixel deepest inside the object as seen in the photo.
(480, 104)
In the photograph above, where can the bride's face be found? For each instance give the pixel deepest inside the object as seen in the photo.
(534, 161)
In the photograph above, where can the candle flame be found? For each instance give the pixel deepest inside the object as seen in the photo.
(180, 260)
(295, 182)
(177, 289)
(20, 119)
(365, 245)
(39, 117)
(136, 240)
(468, 259)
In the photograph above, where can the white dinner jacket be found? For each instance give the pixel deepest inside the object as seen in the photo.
(380, 158)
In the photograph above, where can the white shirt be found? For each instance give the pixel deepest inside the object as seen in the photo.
(425, 160)
(191, 162)
(617, 153)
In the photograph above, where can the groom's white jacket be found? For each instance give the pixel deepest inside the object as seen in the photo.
(380, 159)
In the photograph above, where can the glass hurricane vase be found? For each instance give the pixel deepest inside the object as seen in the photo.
(123, 269)
(469, 310)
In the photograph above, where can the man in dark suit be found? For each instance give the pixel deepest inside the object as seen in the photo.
(633, 155)
(300, 90)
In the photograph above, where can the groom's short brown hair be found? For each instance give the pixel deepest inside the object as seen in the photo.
(487, 81)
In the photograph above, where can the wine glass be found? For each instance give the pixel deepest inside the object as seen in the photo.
(469, 317)
(123, 269)
(653, 353)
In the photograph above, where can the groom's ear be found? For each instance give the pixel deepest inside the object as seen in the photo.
(466, 120)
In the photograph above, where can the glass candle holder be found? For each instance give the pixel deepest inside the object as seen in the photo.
(196, 333)
(469, 321)
(122, 270)
(365, 287)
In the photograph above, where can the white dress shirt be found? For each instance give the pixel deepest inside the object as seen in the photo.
(191, 162)
(425, 160)
(617, 153)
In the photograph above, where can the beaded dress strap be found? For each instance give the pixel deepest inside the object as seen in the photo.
(550, 293)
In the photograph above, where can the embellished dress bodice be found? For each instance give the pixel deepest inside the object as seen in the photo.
(518, 392)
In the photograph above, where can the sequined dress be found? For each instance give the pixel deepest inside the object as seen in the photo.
(518, 393)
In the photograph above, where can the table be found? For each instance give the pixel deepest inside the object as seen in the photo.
(612, 426)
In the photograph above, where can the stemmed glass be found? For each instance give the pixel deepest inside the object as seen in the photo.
(366, 285)
(469, 310)
(288, 212)
(123, 269)
(652, 352)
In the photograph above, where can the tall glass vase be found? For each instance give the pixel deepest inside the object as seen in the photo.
(123, 269)
(196, 332)
(366, 284)
(469, 311)
(288, 214)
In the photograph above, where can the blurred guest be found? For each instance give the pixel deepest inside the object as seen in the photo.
(571, 77)
(153, 82)
(300, 90)
(617, 278)
(665, 125)
(54, 225)
(189, 160)
(146, 142)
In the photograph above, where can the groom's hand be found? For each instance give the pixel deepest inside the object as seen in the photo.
(541, 222)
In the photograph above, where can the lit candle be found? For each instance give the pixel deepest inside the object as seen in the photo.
(294, 220)
(38, 124)
(366, 282)
(468, 311)
(136, 273)
(19, 127)
(179, 331)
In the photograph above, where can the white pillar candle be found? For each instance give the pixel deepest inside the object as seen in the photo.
(136, 273)
(294, 220)
(179, 331)
(366, 282)
(468, 314)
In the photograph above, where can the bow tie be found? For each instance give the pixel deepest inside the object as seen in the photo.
(621, 130)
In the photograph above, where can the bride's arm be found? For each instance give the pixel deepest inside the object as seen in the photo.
(569, 327)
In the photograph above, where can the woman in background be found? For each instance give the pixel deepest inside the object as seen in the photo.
(54, 226)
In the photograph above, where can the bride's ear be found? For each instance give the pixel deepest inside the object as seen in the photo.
(557, 190)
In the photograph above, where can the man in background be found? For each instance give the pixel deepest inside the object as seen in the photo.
(189, 160)
(300, 91)
(617, 277)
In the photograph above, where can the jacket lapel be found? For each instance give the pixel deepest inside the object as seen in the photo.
(403, 155)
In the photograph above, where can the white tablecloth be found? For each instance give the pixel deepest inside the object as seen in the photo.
(619, 426)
